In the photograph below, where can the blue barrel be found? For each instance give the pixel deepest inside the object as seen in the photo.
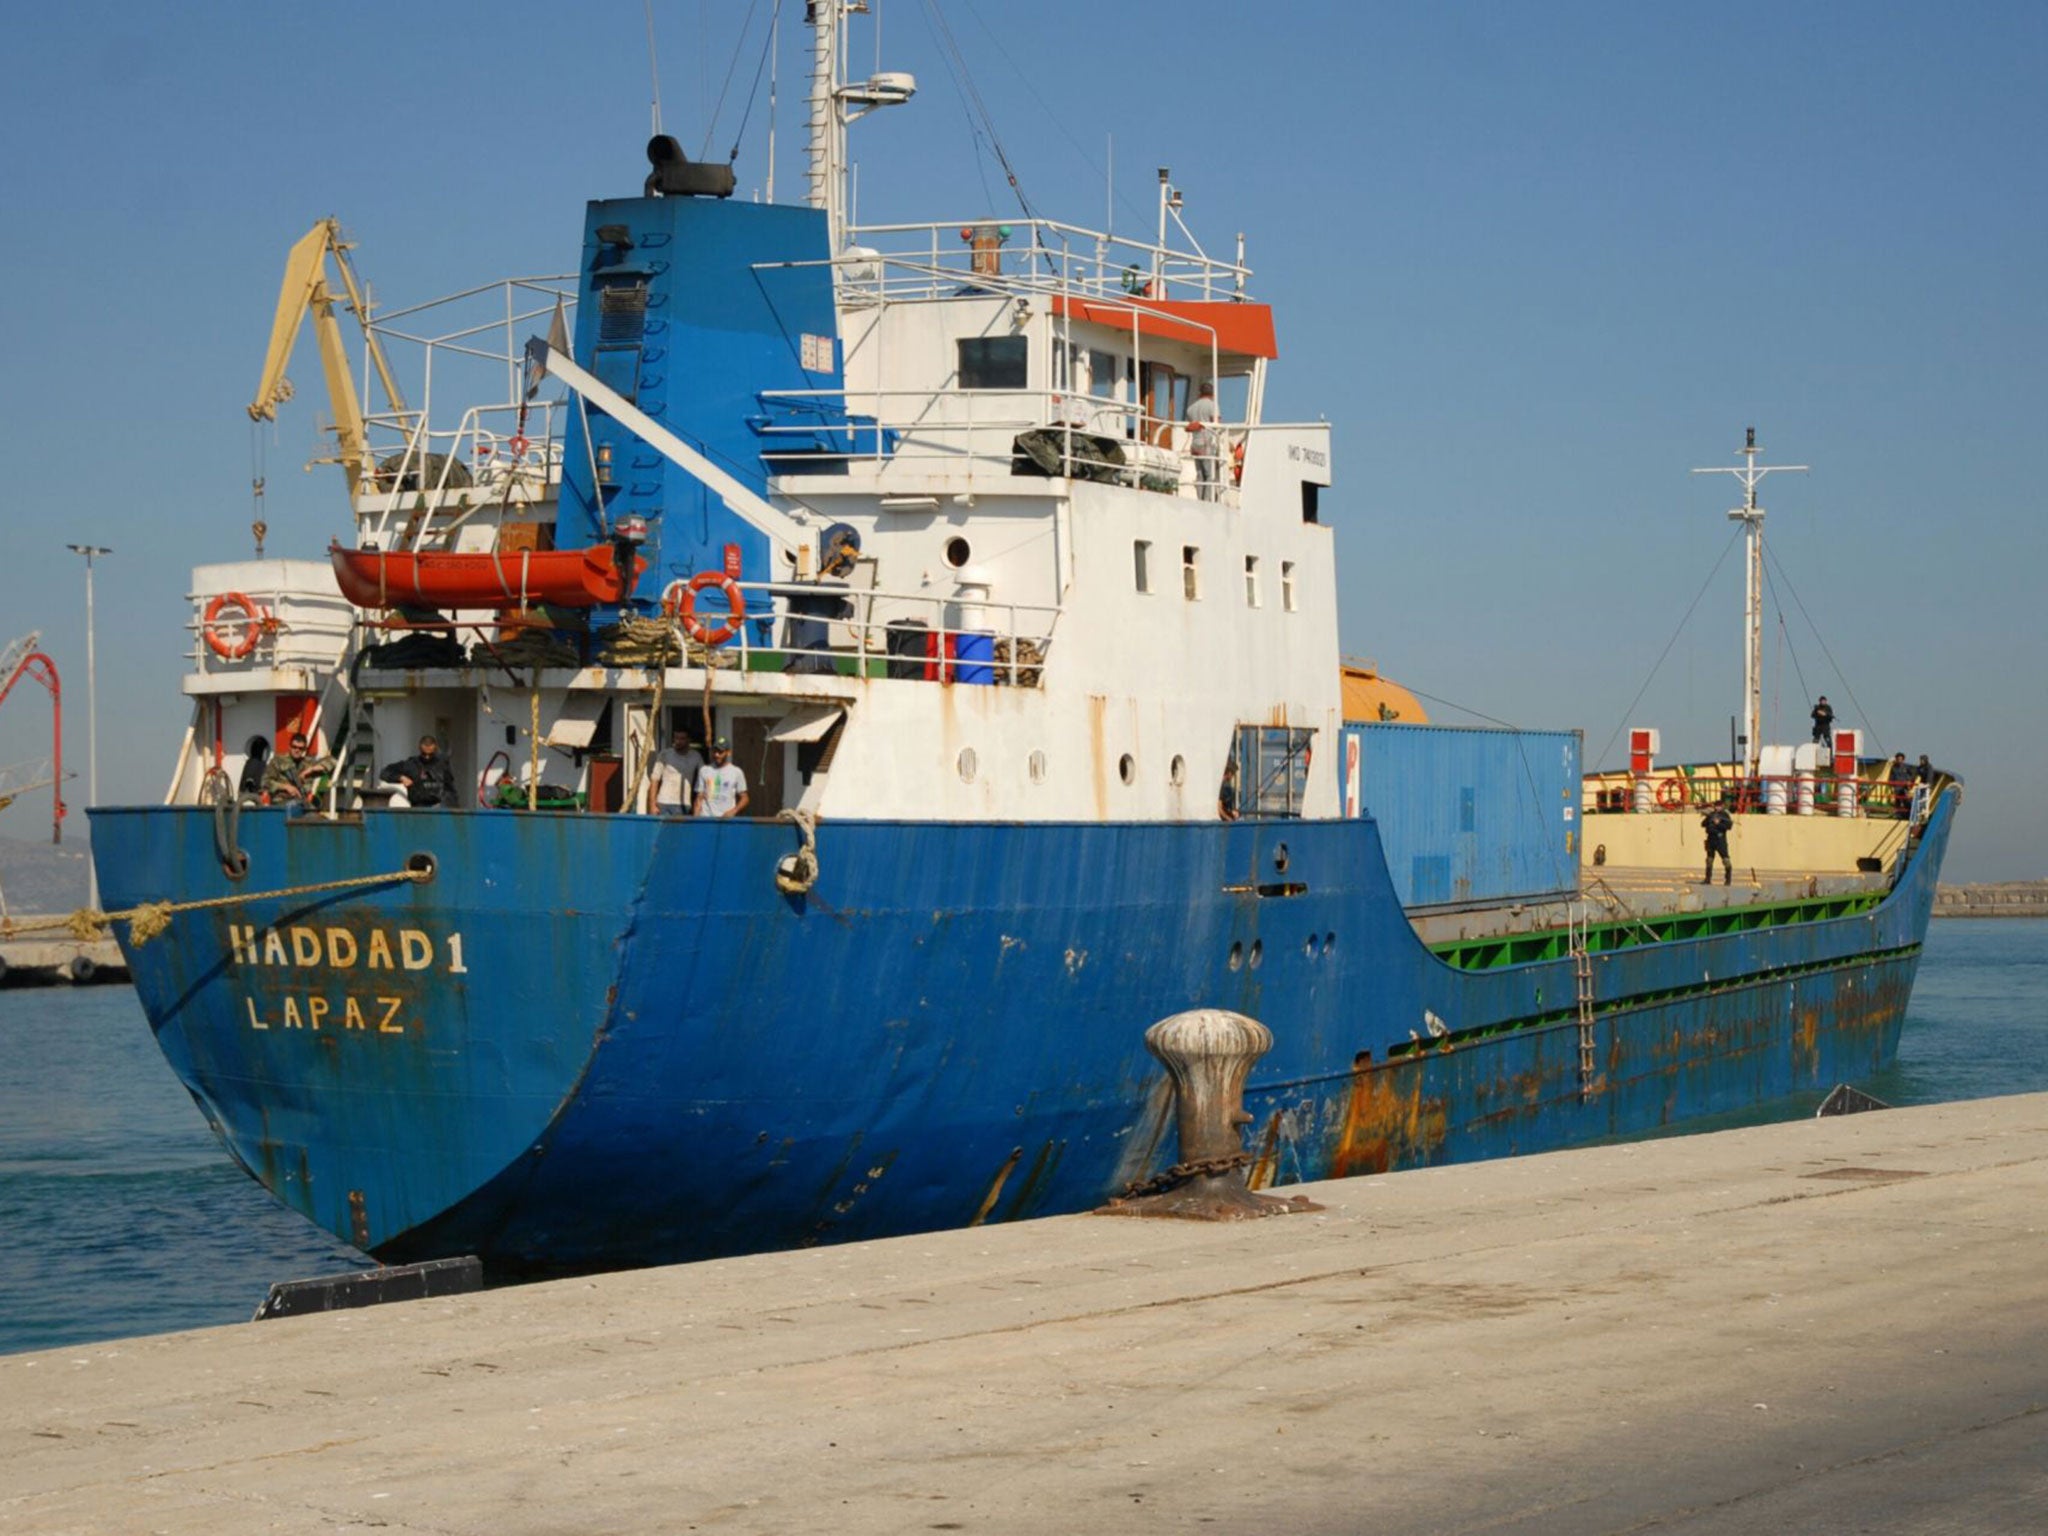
(974, 658)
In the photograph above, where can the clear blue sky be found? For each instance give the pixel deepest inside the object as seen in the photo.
(1533, 262)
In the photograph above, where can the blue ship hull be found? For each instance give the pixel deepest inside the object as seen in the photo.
(595, 1041)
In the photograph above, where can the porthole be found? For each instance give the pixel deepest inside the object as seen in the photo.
(1035, 765)
(1329, 942)
(967, 763)
(1127, 768)
(1280, 858)
(958, 552)
(1177, 770)
(1258, 952)
(1308, 946)
(1237, 957)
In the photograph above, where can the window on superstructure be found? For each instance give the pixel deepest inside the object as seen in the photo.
(1272, 769)
(1141, 564)
(994, 362)
(1287, 585)
(1251, 581)
(1105, 375)
(1190, 572)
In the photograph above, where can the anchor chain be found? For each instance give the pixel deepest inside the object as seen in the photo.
(1202, 1168)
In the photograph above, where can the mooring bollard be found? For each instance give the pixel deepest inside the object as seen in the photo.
(1207, 1052)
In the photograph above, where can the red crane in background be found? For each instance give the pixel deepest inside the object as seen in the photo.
(18, 660)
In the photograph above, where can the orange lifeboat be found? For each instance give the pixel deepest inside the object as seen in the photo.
(568, 578)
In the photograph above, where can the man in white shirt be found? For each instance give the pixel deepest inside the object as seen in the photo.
(721, 788)
(676, 768)
(1205, 442)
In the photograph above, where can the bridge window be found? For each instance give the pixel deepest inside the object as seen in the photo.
(994, 362)
(1141, 563)
(1190, 572)
(1251, 581)
(1287, 585)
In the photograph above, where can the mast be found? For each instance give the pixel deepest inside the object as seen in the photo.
(830, 99)
(1751, 516)
(825, 153)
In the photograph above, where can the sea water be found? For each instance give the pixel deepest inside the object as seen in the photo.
(120, 1214)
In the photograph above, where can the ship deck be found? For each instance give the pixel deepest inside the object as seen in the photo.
(1615, 893)
(1828, 1323)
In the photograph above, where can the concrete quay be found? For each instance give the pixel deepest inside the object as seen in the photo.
(1831, 1325)
(2017, 898)
(46, 956)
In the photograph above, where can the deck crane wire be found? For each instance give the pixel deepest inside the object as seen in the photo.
(963, 79)
(1784, 638)
(1675, 633)
(1855, 703)
(1056, 118)
(732, 68)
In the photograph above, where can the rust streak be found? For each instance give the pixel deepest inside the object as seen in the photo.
(1387, 1122)
(995, 1189)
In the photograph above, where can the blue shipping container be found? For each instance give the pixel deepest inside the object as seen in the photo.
(1468, 815)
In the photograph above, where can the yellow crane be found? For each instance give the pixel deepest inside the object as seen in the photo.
(305, 289)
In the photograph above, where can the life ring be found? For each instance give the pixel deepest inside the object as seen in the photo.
(1671, 793)
(255, 622)
(686, 607)
(1237, 463)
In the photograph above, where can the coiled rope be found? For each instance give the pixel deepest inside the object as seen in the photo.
(798, 872)
(150, 918)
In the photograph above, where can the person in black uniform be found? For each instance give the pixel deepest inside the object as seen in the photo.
(426, 777)
(1719, 824)
(1823, 720)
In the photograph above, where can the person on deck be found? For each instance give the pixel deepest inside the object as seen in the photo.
(1718, 824)
(288, 779)
(1923, 771)
(1900, 776)
(1205, 441)
(673, 780)
(721, 788)
(1823, 720)
(425, 777)
(1226, 796)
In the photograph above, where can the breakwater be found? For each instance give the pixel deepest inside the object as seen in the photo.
(2013, 898)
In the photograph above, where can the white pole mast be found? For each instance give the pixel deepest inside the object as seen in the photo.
(92, 716)
(825, 174)
(1751, 516)
(831, 99)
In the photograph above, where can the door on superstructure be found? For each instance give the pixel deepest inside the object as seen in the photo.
(298, 712)
(1165, 395)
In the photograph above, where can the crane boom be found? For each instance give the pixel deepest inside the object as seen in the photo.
(21, 659)
(304, 291)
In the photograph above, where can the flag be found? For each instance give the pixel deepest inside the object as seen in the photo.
(537, 350)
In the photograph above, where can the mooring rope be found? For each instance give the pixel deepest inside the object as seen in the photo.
(150, 918)
(802, 873)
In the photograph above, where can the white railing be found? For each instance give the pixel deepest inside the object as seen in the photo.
(976, 431)
(918, 635)
(914, 261)
(468, 346)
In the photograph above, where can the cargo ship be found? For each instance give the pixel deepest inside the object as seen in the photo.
(974, 543)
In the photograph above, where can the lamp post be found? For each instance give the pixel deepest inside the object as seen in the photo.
(92, 718)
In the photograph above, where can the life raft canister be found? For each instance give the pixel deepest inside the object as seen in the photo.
(686, 607)
(255, 620)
